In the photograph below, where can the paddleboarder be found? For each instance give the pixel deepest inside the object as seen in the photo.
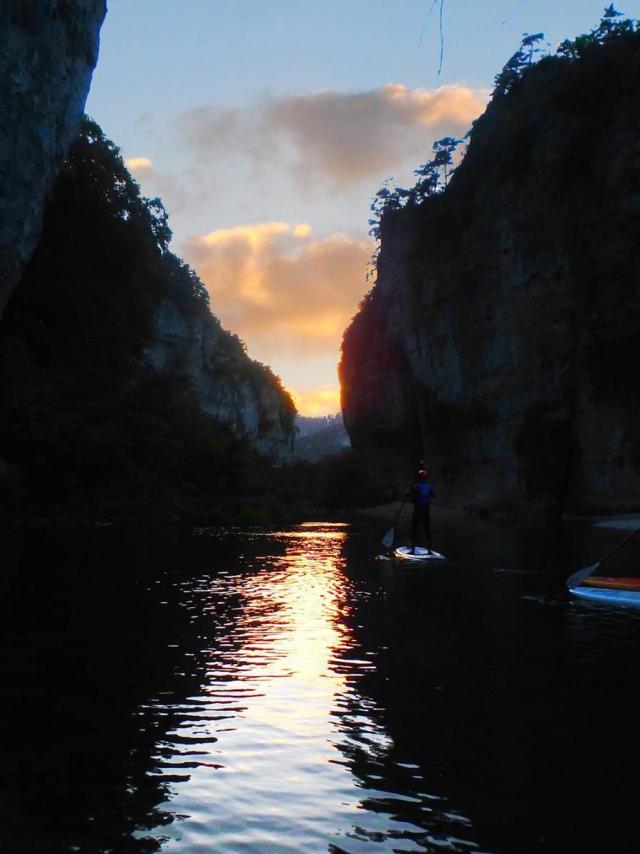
(422, 492)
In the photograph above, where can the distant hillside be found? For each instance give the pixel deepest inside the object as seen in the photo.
(320, 437)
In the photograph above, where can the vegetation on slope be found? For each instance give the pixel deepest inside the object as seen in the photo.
(87, 430)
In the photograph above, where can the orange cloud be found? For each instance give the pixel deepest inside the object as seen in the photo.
(320, 401)
(282, 291)
(138, 164)
(341, 137)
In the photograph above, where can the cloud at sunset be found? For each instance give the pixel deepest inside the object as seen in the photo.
(138, 164)
(340, 137)
(287, 290)
(284, 292)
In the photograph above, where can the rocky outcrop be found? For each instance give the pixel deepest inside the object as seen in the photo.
(502, 338)
(227, 384)
(48, 49)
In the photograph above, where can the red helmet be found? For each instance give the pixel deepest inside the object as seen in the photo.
(423, 475)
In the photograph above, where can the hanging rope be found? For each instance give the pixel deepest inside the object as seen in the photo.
(441, 36)
(440, 4)
(516, 6)
(424, 25)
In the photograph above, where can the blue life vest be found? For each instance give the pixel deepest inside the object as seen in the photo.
(423, 493)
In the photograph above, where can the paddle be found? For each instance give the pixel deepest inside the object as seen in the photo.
(389, 537)
(578, 577)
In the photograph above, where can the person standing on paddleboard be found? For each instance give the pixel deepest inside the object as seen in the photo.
(421, 494)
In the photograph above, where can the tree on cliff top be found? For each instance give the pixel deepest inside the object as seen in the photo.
(598, 61)
(612, 27)
(518, 63)
(433, 176)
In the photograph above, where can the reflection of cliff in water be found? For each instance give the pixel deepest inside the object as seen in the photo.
(491, 687)
(90, 632)
(282, 691)
(380, 714)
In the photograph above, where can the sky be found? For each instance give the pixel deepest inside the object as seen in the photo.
(267, 127)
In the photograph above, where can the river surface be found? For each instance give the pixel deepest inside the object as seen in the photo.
(292, 691)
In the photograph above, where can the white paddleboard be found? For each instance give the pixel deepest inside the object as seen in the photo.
(422, 555)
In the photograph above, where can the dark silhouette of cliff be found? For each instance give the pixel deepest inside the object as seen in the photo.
(90, 426)
(502, 338)
(47, 55)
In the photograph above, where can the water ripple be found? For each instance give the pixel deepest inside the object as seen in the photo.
(303, 761)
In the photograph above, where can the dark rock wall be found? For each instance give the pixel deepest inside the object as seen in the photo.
(48, 49)
(227, 384)
(502, 339)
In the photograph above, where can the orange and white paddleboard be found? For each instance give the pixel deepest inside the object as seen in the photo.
(612, 591)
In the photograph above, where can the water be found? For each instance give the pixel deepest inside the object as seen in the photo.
(288, 691)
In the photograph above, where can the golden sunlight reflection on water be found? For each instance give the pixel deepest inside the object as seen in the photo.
(270, 744)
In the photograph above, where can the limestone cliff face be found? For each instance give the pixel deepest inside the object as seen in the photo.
(48, 49)
(502, 339)
(227, 384)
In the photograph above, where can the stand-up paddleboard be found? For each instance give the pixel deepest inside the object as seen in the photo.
(586, 584)
(614, 591)
(607, 595)
(612, 582)
(421, 555)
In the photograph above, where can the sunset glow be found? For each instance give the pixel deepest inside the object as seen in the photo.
(268, 175)
(288, 294)
(317, 401)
